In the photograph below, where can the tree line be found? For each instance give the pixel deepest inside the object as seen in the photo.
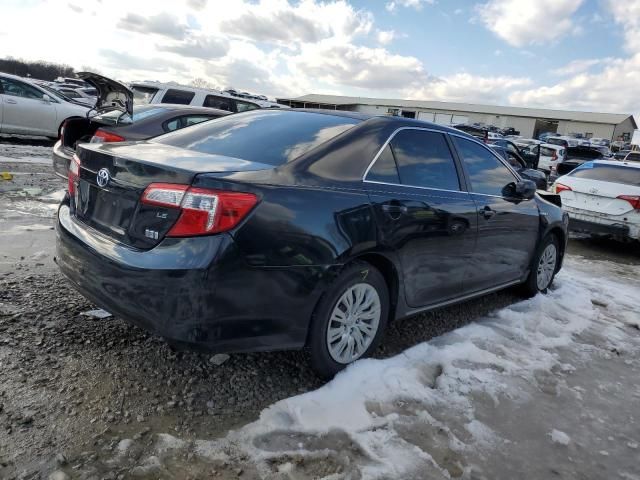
(39, 69)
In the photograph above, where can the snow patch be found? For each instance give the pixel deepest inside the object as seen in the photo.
(559, 437)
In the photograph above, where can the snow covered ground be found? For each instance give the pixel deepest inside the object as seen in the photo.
(544, 388)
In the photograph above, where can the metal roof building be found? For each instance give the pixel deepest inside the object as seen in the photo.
(529, 121)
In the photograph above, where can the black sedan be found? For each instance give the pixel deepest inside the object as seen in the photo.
(147, 121)
(287, 229)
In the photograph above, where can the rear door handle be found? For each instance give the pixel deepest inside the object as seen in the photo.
(487, 212)
(9, 100)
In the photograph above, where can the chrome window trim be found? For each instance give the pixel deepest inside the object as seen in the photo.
(384, 145)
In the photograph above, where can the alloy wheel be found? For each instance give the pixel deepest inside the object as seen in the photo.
(353, 323)
(546, 267)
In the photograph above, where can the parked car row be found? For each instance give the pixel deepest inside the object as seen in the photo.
(29, 108)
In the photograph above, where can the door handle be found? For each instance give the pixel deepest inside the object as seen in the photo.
(9, 100)
(487, 212)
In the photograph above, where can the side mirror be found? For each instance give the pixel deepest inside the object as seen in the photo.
(525, 189)
(46, 98)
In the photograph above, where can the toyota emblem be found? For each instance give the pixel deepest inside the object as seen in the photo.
(103, 177)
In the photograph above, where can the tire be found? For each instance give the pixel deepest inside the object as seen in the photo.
(543, 267)
(360, 283)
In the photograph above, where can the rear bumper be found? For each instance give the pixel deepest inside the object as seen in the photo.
(196, 292)
(61, 160)
(583, 222)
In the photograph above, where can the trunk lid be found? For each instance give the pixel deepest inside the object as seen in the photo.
(597, 196)
(113, 178)
(112, 95)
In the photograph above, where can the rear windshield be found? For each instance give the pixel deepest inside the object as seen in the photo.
(608, 173)
(143, 95)
(139, 113)
(265, 136)
(583, 153)
(557, 141)
(547, 152)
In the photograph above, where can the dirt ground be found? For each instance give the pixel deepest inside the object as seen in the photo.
(75, 389)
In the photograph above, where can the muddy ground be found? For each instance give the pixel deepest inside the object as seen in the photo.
(74, 387)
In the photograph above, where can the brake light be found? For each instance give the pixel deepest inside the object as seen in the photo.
(554, 157)
(73, 175)
(558, 187)
(634, 200)
(203, 211)
(103, 137)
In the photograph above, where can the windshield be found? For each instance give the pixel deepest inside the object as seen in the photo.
(143, 95)
(273, 137)
(608, 173)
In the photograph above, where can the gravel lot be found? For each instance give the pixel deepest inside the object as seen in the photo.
(73, 387)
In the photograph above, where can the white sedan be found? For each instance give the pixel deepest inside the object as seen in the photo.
(550, 155)
(30, 109)
(602, 196)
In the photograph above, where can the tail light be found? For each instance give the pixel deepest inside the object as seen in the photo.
(554, 157)
(73, 175)
(102, 136)
(634, 200)
(202, 211)
(559, 187)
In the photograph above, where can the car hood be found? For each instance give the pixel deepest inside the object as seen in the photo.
(112, 95)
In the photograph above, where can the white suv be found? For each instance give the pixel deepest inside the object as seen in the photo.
(30, 109)
(153, 92)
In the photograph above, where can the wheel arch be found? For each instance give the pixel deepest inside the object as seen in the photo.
(561, 235)
(390, 273)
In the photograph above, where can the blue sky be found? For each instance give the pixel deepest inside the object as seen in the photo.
(580, 54)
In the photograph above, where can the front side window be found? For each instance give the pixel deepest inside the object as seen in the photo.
(487, 173)
(181, 97)
(19, 89)
(384, 169)
(425, 160)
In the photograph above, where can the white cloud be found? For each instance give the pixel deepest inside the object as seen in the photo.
(415, 4)
(521, 23)
(579, 66)
(627, 14)
(465, 87)
(385, 36)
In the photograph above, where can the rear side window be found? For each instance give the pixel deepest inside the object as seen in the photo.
(181, 97)
(221, 103)
(273, 137)
(143, 95)
(487, 173)
(633, 156)
(384, 169)
(244, 106)
(424, 160)
(558, 141)
(608, 173)
(547, 152)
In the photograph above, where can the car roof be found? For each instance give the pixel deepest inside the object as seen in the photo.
(618, 163)
(180, 107)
